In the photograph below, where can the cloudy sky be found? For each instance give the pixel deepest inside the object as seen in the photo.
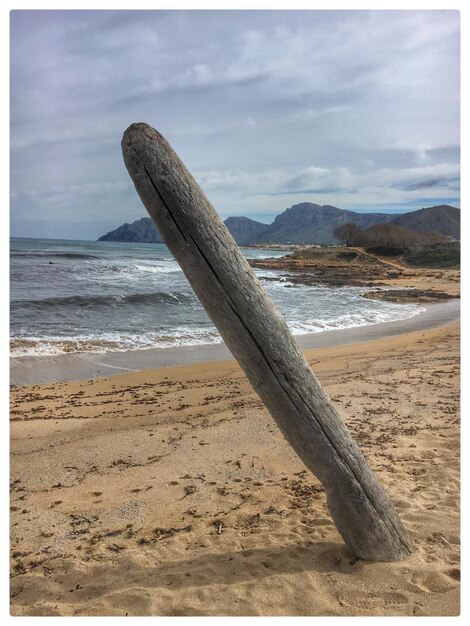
(356, 109)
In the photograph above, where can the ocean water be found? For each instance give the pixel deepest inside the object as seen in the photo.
(77, 296)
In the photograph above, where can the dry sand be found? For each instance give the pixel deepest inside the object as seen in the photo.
(172, 492)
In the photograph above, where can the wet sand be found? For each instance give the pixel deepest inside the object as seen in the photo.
(172, 492)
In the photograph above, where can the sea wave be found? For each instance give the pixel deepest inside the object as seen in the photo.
(55, 255)
(158, 297)
(112, 271)
(167, 268)
(185, 335)
(112, 342)
(354, 320)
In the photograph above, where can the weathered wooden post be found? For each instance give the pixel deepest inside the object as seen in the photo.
(260, 340)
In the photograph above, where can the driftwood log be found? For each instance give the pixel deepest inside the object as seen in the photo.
(258, 337)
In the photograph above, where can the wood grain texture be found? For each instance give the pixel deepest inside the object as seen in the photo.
(260, 340)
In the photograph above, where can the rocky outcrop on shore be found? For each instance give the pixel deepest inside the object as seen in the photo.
(345, 267)
(403, 296)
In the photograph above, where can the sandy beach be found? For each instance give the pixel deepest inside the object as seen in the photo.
(171, 491)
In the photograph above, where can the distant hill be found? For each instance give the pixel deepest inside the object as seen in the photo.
(244, 229)
(305, 223)
(144, 230)
(312, 223)
(140, 231)
(444, 218)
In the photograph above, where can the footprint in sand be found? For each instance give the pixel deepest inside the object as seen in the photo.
(437, 582)
(370, 601)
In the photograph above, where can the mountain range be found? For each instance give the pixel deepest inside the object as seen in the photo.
(305, 223)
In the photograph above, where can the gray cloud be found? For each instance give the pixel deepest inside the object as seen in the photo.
(355, 108)
(425, 184)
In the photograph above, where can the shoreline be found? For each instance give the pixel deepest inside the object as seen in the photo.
(85, 366)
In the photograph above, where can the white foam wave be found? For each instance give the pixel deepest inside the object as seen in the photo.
(302, 327)
(187, 336)
(111, 342)
(166, 268)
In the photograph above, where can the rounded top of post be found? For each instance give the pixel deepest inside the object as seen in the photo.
(139, 132)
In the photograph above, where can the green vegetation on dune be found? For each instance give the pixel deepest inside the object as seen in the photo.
(442, 255)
